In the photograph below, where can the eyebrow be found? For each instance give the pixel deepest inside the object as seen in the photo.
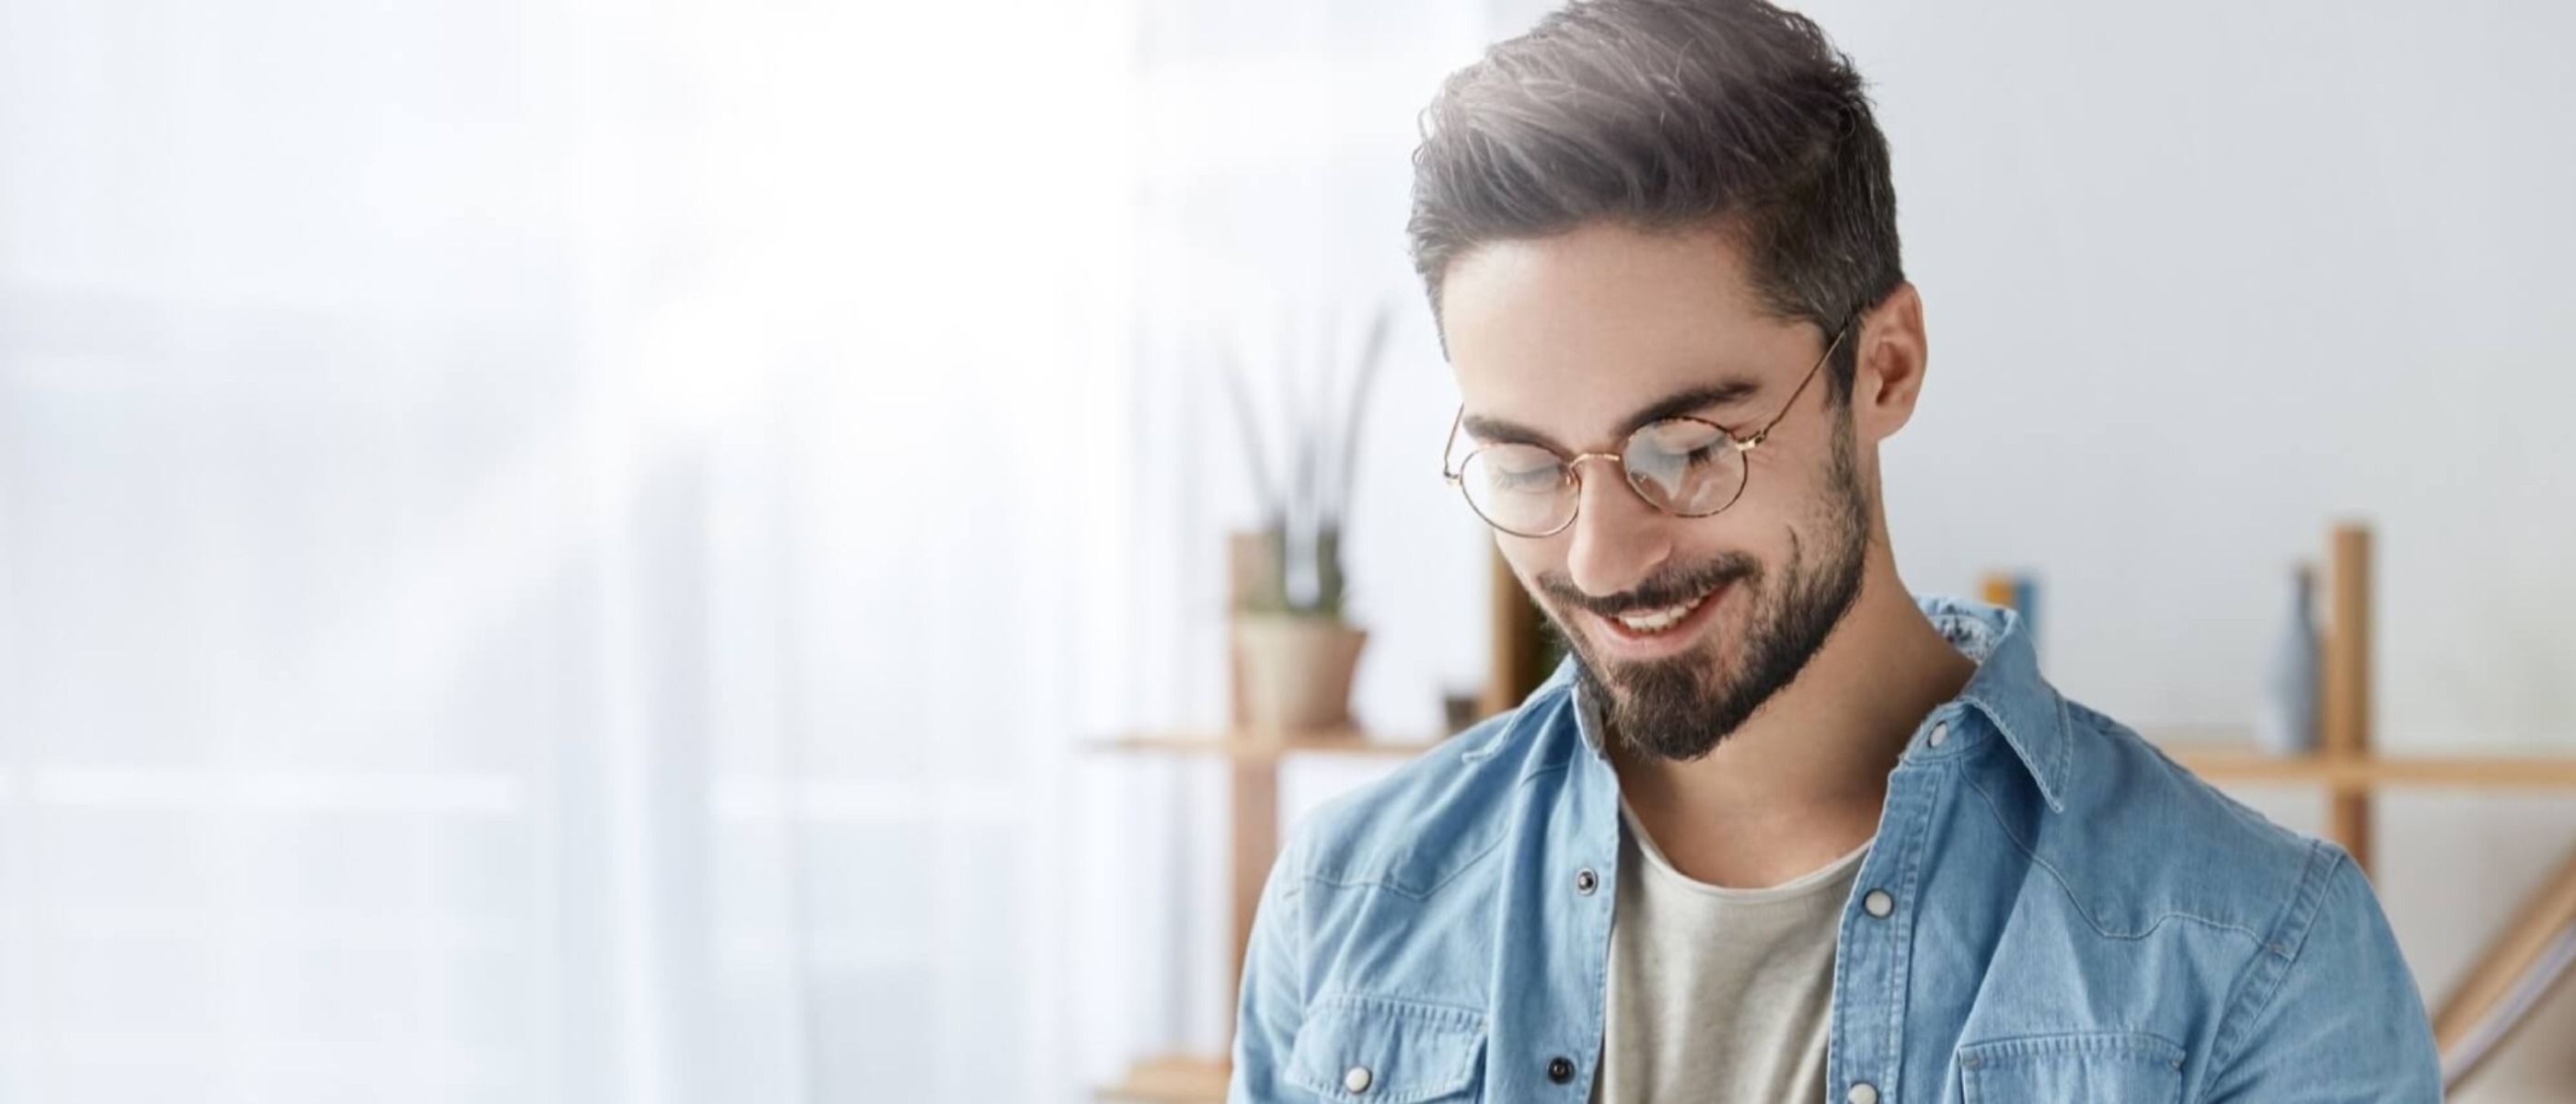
(1727, 392)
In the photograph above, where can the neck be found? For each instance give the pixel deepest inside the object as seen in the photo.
(1801, 783)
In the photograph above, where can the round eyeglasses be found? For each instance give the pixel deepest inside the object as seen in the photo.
(1686, 467)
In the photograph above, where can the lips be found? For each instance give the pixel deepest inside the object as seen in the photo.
(1652, 633)
(1655, 621)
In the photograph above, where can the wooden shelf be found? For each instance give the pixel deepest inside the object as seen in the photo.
(1258, 746)
(1172, 1079)
(2214, 760)
(2236, 764)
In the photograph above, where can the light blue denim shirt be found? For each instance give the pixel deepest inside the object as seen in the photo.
(2052, 912)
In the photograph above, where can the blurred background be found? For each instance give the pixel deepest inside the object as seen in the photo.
(554, 550)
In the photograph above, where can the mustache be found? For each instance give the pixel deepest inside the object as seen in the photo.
(1670, 588)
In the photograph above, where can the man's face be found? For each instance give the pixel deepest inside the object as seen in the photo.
(1567, 340)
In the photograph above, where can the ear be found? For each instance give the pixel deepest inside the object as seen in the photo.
(1892, 357)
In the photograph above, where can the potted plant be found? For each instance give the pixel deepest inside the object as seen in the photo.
(1294, 650)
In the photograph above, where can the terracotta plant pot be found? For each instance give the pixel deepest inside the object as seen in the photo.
(1296, 670)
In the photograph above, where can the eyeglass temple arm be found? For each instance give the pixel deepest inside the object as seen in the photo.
(1749, 443)
(1451, 442)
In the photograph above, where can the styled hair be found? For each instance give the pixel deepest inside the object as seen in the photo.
(1669, 115)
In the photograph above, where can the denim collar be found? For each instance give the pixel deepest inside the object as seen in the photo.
(2008, 689)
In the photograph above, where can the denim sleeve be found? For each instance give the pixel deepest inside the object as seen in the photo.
(1273, 997)
(2342, 1020)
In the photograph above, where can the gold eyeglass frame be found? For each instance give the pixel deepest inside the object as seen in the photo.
(1572, 466)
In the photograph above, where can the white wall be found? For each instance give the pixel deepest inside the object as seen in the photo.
(2201, 277)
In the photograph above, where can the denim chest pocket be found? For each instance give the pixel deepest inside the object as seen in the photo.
(2107, 1067)
(1378, 1050)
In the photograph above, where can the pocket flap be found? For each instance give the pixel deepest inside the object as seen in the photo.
(1378, 1050)
(2099, 1067)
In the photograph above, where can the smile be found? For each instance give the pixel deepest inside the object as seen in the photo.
(1656, 621)
(1656, 633)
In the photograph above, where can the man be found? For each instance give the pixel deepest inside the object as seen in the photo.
(1776, 831)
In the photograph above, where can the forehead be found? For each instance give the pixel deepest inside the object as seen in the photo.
(1570, 334)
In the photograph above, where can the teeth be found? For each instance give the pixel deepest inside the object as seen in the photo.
(1662, 619)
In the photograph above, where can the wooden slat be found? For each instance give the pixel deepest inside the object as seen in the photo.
(2245, 766)
(2497, 985)
(1247, 571)
(1172, 1079)
(2344, 699)
(1255, 848)
(1513, 662)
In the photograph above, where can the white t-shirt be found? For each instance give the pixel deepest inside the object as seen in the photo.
(1718, 994)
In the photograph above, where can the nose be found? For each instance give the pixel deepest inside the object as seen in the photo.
(1617, 541)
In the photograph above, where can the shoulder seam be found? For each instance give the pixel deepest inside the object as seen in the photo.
(1319, 878)
(2066, 888)
(2263, 977)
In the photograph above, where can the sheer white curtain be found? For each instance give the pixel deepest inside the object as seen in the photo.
(1274, 180)
(559, 551)
(553, 551)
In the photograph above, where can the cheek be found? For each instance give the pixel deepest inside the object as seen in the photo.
(1783, 482)
(1760, 530)
(1800, 498)
(1531, 558)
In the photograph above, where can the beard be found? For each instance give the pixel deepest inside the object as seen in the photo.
(1682, 707)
